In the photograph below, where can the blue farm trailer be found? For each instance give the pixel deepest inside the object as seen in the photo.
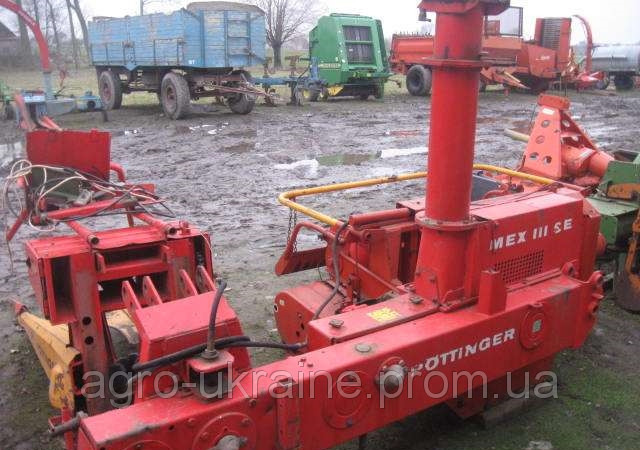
(199, 51)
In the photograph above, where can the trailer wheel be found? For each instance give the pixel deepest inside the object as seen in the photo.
(419, 81)
(241, 103)
(110, 90)
(175, 96)
(539, 86)
(603, 84)
(623, 82)
(314, 95)
(8, 113)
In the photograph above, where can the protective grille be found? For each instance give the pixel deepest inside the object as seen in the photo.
(359, 44)
(522, 267)
(360, 53)
(354, 33)
(551, 33)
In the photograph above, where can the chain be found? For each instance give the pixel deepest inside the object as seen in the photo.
(293, 221)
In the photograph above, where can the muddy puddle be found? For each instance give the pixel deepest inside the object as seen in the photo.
(10, 152)
(352, 159)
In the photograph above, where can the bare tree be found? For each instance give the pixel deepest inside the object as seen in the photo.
(35, 7)
(75, 6)
(72, 32)
(25, 45)
(285, 20)
(53, 20)
(144, 3)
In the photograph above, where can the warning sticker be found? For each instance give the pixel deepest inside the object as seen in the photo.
(384, 315)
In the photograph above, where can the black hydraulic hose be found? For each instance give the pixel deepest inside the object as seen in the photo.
(185, 354)
(211, 336)
(336, 271)
(251, 344)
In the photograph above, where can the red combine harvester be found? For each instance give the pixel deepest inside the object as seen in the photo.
(419, 295)
(509, 59)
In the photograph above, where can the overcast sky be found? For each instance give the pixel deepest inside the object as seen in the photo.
(612, 21)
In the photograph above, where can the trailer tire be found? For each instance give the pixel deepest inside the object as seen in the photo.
(314, 95)
(603, 84)
(419, 81)
(623, 82)
(241, 103)
(110, 90)
(175, 96)
(8, 113)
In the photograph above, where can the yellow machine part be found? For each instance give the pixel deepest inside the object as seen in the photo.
(627, 286)
(334, 90)
(57, 357)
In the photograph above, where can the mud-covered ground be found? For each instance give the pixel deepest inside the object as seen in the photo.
(223, 173)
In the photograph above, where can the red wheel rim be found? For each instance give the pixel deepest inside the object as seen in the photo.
(170, 98)
(106, 91)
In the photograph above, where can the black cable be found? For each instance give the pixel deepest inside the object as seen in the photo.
(251, 344)
(336, 271)
(185, 354)
(211, 336)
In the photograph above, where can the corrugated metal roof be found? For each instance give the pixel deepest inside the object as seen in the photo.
(223, 6)
(6, 33)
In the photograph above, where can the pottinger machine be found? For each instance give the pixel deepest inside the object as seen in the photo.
(419, 294)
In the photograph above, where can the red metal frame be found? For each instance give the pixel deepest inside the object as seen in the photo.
(418, 294)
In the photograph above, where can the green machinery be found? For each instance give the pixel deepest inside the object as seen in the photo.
(351, 56)
(617, 201)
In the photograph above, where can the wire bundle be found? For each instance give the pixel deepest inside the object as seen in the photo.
(53, 179)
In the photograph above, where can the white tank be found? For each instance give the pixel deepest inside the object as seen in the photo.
(617, 58)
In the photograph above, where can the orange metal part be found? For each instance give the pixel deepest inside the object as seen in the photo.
(560, 149)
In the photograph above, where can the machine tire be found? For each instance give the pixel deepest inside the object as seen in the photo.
(482, 87)
(364, 97)
(539, 87)
(8, 113)
(314, 95)
(603, 85)
(623, 82)
(379, 91)
(175, 96)
(241, 103)
(110, 90)
(419, 81)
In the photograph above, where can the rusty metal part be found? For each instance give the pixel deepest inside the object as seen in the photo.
(67, 427)
(627, 284)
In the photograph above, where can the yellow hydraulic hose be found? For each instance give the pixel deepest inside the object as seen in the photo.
(288, 198)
